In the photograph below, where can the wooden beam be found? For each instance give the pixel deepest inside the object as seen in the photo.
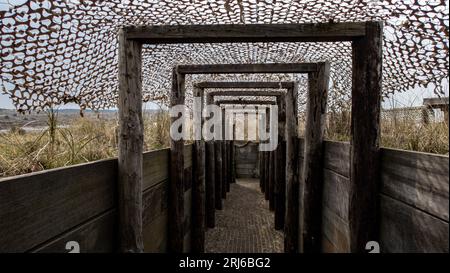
(365, 137)
(250, 85)
(176, 185)
(292, 185)
(246, 102)
(312, 173)
(319, 32)
(248, 68)
(130, 145)
(198, 189)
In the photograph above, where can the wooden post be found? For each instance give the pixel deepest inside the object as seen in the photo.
(130, 145)
(312, 173)
(365, 137)
(233, 151)
(176, 184)
(210, 178)
(292, 185)
(271, 182)
(218, 166)
(280, 165)
(198, 188)
(224, 158)
(267, 162)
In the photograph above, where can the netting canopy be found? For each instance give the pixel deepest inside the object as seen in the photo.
(54, 52)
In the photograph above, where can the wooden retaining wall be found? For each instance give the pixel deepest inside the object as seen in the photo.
(414, 200)
(41, 212)
(247, 159)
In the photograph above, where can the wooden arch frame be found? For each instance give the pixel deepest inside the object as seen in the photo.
(366, 38)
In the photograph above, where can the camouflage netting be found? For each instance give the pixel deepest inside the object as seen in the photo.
(55, 52)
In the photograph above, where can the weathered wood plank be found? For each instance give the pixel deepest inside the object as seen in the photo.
(337, 157)
(97, 235)
(407, 229)
(336, 192)
(365, 137)
(312, 169)
(130, 147)
(198, 199)
(156, 234)
(210, 185)
(249, 84)
(418, 179)
(155, 167)
(319, 32)
(336, 231)
(36, 207)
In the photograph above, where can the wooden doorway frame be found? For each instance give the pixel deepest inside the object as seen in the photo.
(366, 38)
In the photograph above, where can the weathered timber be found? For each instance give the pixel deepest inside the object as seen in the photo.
(280, 165)
(417, 179)
(271, 180)
(292, 183)
(312, 172)
(210, 185)
(130, 145)
(251, 85)
(318, 32)
(407, 229)
(198, 190)
(365, 137)
(176, 185)
(33, 207)
(246, 102)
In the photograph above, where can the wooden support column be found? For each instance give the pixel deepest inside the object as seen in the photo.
(271, 180)
(280, 167)
(210, 186)
(233, 151)
(130, 145)
(218, 169)
(267, 162)
(312, 173)
(224, 158)
(176, 183)
(292, 185)
(365, 137)
(198, 187)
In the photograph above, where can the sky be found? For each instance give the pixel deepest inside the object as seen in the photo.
(413, 97)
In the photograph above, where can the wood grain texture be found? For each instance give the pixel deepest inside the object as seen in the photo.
(365, 137)
(337, 157)
(210, 185)
(312, 169)
(198, 199)
(407, 229)
(319, 32)
(292, 183)
(36, 207)
(247, 84)
(335, 232)
(176, 167)
(418, 179)
(130, 146)
(97, 235)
